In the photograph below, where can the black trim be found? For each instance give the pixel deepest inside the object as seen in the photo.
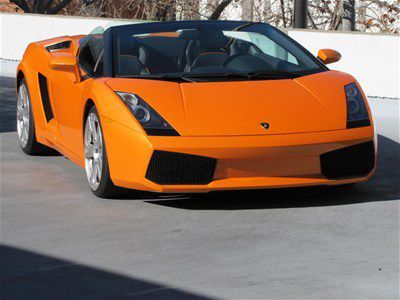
(349, 162)
(161, 132)
(88, 73)
(358, 123)
(180, 168)
(44, 93)
(108, 53)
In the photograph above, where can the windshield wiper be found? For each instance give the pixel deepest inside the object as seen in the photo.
(273, 74)
(251, 75)
(201, 76)
(158, 77)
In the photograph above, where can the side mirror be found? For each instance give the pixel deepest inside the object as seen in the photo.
(328, 56)
(66, 63)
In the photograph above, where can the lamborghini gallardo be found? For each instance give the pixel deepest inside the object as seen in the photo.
(194, 106)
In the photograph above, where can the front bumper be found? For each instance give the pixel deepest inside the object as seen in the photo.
(242, 162)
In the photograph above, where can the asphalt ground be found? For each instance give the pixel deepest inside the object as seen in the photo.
(58, 241)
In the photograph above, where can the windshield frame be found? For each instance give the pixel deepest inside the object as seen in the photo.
(112, 33)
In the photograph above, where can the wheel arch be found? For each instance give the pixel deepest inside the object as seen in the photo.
(88, 105)
(20, 76)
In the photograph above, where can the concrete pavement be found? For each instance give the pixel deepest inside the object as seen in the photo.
(59, 241)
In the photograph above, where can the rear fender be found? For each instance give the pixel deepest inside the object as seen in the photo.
(30, 72)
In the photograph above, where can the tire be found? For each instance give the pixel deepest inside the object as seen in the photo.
(26, 124)
(347, 186)
(96, 161)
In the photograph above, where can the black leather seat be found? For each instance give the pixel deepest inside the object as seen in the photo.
(133, 57)
(206, 51)
(131, 65)
(240, 47)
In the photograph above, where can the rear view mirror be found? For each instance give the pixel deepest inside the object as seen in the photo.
(66, 63)
(328, 56)
(63, 63)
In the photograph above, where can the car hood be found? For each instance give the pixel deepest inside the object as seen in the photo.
(306, 104)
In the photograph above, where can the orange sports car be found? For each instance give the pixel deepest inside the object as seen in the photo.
(194, 106)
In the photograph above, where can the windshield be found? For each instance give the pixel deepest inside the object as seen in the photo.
(208, 51)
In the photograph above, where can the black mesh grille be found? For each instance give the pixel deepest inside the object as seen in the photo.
(354, 161)
(178, 168)
(58, 46)
(44, 93)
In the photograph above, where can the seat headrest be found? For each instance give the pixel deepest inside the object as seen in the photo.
(204, 41)
(211, 40)
(130, 45)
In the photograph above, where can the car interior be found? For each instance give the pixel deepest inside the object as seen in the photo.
(186, 51)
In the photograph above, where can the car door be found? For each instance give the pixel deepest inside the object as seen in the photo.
(67, 93)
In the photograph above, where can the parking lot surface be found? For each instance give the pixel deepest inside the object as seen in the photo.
(60, 241)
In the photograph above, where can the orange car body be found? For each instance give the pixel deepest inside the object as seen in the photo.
(248, 156)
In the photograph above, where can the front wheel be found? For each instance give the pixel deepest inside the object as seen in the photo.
(96, 163)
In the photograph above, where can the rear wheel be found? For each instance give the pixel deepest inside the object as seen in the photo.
(26, 124)
(96, 162)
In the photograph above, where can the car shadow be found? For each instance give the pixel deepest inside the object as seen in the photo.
(28, 275)
(382, 187)
(8, 105)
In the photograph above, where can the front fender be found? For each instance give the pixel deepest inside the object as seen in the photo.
(126, 143)
(109, 105)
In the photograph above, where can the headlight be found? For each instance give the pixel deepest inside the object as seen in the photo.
(357, 113)
(148, 118)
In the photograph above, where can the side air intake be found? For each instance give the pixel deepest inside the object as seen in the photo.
(59, 46)
(44, 93)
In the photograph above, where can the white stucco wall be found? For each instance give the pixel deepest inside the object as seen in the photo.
(372, 58)
(18, 30)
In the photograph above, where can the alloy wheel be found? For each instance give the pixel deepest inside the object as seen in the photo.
(93, 151)
(23, 115)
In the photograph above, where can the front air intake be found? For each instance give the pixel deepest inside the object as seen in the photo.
(179, 168)
(354, 161)
(44, 94)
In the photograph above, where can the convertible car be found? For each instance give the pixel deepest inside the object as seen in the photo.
(194, 106)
